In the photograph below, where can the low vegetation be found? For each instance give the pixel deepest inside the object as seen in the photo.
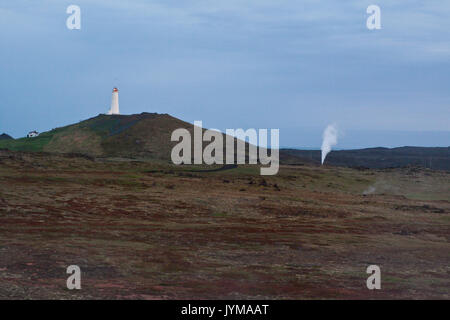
(150, 230)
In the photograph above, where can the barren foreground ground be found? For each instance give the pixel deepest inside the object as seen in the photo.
(141, 230)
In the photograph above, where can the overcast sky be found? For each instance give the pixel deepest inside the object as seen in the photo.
(293, 65)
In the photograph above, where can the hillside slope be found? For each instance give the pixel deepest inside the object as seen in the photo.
(138, 135)
(143, 136)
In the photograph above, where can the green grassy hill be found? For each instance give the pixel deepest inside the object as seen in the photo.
(140, 135)
(27, 144)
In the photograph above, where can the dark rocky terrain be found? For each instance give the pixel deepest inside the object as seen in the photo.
(376, 158)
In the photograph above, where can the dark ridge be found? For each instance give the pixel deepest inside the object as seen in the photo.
(5, 136)
(437, 158)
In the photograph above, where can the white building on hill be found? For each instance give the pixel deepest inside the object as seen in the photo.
(114, 102)
(32, 134)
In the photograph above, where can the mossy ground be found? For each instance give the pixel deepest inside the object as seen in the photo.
(149, 230)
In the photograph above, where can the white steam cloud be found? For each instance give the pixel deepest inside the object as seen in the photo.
(329, 140)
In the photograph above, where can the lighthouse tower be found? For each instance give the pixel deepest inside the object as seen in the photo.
(114, 102)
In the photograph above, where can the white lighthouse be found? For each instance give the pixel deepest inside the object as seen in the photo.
(114, 102)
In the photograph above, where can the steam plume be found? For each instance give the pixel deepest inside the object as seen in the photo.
(329, 140)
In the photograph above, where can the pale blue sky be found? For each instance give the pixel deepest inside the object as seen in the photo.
(292, 65)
